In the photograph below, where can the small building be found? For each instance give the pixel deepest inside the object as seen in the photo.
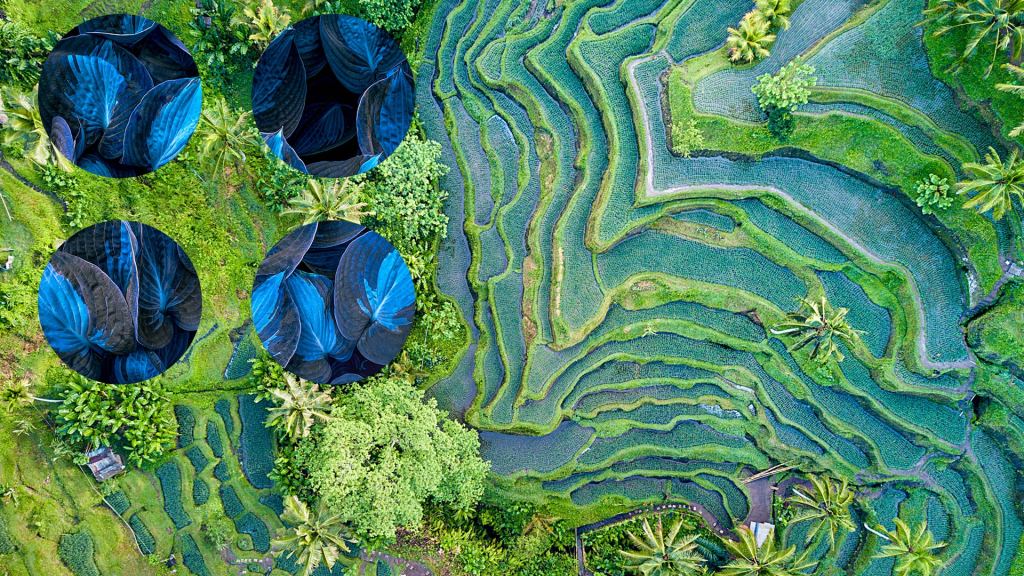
(105, 463)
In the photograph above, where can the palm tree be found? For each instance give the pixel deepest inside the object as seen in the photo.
(26, 126)
(914, 550)
(337, 200)
(264, 20)
(660, 554)
(764, 560)
(819, 324)
(827, 504)
(1017, 89)
(224, 136)
(15, 394)
(1001, 19)
(994, 183)
(299, 405)
(315, 538)
(776, 12)
(751, 40)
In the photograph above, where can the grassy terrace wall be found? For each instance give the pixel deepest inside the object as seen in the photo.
(618, 294)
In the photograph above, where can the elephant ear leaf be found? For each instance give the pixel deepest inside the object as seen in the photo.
(162, 123)
(385, 112)
(169, 294)
(286, 255)
(328, 246)
(83, 314)
(307, 41)
(141, 364)
(276, 318)
(374, 298)
(318, 338)
(166, 57)
(279, 86)
(124, 29)
(322, 128)
(342, 168)
(114, 245)
(358, 52)
(63, 139)
(279, 147)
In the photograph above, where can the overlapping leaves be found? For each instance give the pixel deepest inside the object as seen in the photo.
(120, 95)
(333, 302)
(333, 96)
(119, 302)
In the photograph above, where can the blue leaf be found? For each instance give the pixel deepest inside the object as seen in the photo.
(125, 29)
(329, 244)
(100, 166)
(279, 147)
(385, 112)
(63, 139)
(275, 318)
(279, 87)
(286, 255)
(374, 298)
(322, 128)
(343, 168)
(112, 246)
(358, 52)
(169, 293)
(318, 337)
(139, 365)
(166, 57)
(162, 123)
(307, 41)
(83, 314)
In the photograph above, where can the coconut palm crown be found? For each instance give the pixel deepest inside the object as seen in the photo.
(827, 504)
(818, 325)
(660, 554)
(994, 184)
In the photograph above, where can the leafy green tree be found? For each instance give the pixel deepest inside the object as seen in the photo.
(220, 42)
(826, 504)
(391, 15)
(780, 94)
(314, 538)
(384, 453)
(776, 12)
(266, 376)
(138, 417)
(298, 407)
(915, 550)
(1017, 89)
(751, 39)
(224, 135)
(21, 54)
(992, 25)
(764, 560)
(659, 554)
(994, 184)
(686, 137)
(24, 130)
(818, 325)
(337, 199)
(218, 529)
(933, 194)
(264, 21)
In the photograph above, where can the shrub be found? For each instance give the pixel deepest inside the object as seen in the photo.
(229, 500)
(6, 542)
(213, 439)
(244, 542)
(200, 491)
(142, 534)
(256, 450)
(197, 458)
(220, 471)
(218, 530)
(383, 569)
(170, 485)
(686, 137)
(223, 408)
(933, 194)
(251, 524)
(254, 568)
(220, 46)
(118, 502)
(76, 552)
(780, 94)
(191, 556)
(21, 54)
(186, 425)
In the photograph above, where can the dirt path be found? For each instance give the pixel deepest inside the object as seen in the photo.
(400, 565)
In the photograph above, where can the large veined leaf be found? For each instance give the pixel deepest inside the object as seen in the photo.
(96, 164)
(307, 41)
(322, 128)
(318, 338)
(276, 318)
(286, 255)
(83, 314)
(169, 293)
(64, 140)
(112, 245)
(358, 52)
(279, 147)
(327, 247)
(125, 29)
(162, 123)
(166, 57)
(141, 364)
(342, 168)
(92, 90)
(374, 298)
(385, 112)
(279, 87)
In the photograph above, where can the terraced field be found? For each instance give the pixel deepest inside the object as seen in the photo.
(619, 296)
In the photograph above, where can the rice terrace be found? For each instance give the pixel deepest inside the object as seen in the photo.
(701, 287)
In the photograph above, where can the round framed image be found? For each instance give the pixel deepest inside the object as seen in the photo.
(120, 95)
(333, 302)
(333, 96)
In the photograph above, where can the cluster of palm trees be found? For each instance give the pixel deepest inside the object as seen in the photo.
(825, 502)
(817, 325)
(753, 37)
(992, 25)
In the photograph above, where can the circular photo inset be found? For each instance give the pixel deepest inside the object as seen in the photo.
(333, 96)
(333, 302)
(120, 302)
(120, 95)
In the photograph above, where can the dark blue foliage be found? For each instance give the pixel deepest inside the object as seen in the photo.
(333, 302)
(120, 95)
(119, 302)
(333, 95)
